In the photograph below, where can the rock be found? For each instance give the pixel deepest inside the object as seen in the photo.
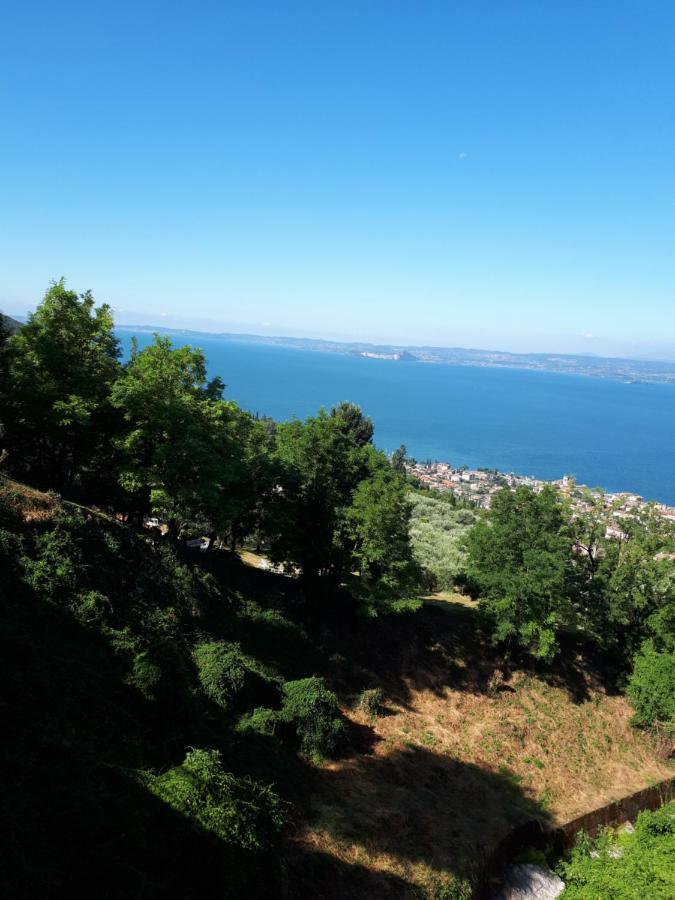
(530, 882)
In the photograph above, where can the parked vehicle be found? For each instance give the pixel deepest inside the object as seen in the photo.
(151, 522)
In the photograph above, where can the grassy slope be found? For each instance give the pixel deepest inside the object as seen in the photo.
(449, 768)
(453, 764)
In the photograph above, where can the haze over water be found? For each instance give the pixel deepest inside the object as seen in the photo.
(606, 433)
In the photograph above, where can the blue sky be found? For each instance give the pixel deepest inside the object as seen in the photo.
(493, 174)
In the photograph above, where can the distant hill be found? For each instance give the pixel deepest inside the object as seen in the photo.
(10, 323)
(632, 371)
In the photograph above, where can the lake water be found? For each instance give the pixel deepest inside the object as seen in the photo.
(604, 432)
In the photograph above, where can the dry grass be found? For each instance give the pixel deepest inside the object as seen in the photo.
(252, 559)
(33, 505)
(459, 759)
(441, 598)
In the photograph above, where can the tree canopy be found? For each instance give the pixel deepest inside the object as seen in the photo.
(338, 507)
(55, 394)
(520, 562)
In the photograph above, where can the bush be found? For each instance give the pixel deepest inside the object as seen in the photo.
(92, 608)
(624, 864)
(260, 721)
(651, 688)
(313, 712)
(240, 812)
(221, 669)
(371, 701)
(55, 573)
(145, 675)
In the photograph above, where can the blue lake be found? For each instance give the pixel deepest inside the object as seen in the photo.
(604, 432)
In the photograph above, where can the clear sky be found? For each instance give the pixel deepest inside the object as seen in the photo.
(493, 174)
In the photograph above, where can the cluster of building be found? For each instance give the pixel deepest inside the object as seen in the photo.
(475, 485)
(480, 485)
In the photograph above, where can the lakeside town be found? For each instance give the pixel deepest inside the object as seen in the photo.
(478, 486)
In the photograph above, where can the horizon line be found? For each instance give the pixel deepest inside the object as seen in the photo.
(394, 346)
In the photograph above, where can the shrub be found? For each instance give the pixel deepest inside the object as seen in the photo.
(238, 811)
(313, 712)
(145, 675)
(371, 701)
(55, 572)
(260, 721)
(92, 608)
(651, 687)
(221, 668)
(638, 864)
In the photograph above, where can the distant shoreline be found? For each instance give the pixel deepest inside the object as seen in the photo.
(480, 485)
(630, 371)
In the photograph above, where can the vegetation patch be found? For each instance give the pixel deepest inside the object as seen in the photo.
(633, 863)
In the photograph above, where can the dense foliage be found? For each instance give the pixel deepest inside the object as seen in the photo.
(155, 436)
(437, 529)
(242, 813)
(539, 569)
(651, 688)
(55, 391)
(312, 710)
(626, 865)
(520, 560)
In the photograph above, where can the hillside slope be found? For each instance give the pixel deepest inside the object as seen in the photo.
(104, 699)
(10, 324)
(460, 754)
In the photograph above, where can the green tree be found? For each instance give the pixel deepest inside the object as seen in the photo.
(651, 688)
(520, 564)
(355, 425)
(398, 459)
(379, 520)
(178, 444)
(246, 478)
(55, 394)
(625, 585)
(338, 507)
(318, 467)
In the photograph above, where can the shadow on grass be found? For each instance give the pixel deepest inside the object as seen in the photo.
(322, 875)
(446, 645)
(416, 807)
